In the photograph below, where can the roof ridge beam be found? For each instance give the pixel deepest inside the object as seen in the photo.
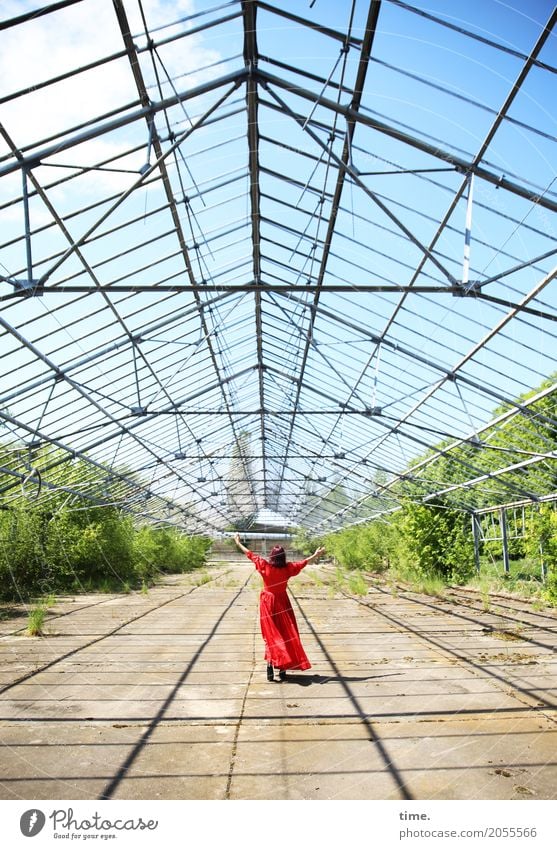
(365, 51)
(251, 58)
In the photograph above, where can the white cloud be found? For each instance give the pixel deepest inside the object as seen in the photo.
(68, 39)
(60, 42)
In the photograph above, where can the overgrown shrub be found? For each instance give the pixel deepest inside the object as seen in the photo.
(169, 550)
(304, 543)
(366, 546)
(23, 568)
(436, 542)
(494, 548)
(424, 541)
(85, 546)
(67, 549)
(541, 543)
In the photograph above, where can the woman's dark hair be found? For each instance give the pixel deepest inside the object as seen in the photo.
(277, 557)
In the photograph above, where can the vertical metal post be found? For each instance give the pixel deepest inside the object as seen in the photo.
(27, 221)
(151, 124)
(544, 564)
(476, 533)
(376, 375)
(468, 231)
(503, 522)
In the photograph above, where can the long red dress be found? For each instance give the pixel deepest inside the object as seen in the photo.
(283, 648)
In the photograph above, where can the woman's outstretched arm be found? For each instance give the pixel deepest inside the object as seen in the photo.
(317, 553)
(239, 544)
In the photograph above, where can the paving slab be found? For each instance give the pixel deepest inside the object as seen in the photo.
(186, 758)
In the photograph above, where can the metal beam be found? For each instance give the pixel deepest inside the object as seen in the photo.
(61, 375)
(396, 427)
(100, 353)
(172, 202)
(95, 130)
(505, 48)
(161, 164)
(345, 38)
(463, 165)
(494, 127)
(449, 374)
(36, 13)
(251, 58)
(365, 51)
(278, 288)
(69, 455)
(234, 288)
(157, 165)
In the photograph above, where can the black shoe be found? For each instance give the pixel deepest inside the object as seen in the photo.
(270, 672)
(282, 674)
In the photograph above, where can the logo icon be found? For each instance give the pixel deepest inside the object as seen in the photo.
(32, 822)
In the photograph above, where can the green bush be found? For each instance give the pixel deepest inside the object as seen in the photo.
(23, 568)
(356, 584)
(59, 548)
(304, 543)
(367, 546)
(420, 541)
(87, 546)
(436, 542)
(541, 543)
(169, 550)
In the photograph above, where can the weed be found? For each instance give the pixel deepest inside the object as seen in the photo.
(429, 586)
(104, 586)
(506, 635)
(340, 577)
(202, 578)
(413, 581)
(316, 579)
(35, 622)
(523, 579)
(357, 584)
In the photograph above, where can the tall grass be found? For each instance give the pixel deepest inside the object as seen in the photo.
(523, 579)
(36, 618)
(35, 622)
(356, 584)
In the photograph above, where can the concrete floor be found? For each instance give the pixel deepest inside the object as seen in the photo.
(164, 696)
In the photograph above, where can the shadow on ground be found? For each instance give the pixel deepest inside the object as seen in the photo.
(308, 680)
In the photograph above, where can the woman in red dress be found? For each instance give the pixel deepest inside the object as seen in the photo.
(283, 649)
